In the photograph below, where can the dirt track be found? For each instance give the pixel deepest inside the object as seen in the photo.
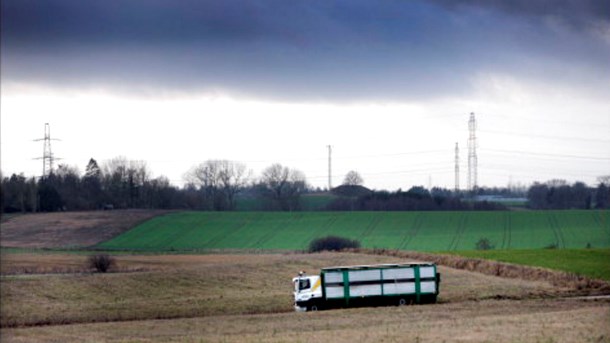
(69, 229)
(550, 320)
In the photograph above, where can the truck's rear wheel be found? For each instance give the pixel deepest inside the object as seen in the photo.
(402, 302)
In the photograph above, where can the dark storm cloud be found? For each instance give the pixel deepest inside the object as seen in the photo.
(282, 49)
(111, 22)
(580, 14)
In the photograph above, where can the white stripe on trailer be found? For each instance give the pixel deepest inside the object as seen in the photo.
(364, 290)
(334, 292)
(428, 287)
(398, 273)
(399, 288)
(333, 277)
(364, 275)
(426, 272)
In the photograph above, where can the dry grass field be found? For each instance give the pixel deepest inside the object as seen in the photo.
(247, 298)
(540, 321)
(69, 229)
(172, 286)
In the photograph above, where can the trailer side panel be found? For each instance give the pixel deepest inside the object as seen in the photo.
(354, 284)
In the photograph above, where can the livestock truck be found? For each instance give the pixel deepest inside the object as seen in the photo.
(369, 285)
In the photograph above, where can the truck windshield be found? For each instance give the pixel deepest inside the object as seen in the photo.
(304, 284)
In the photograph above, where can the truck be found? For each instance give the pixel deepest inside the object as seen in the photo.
(367, 285)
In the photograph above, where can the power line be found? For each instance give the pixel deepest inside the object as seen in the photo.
(530, 118)
(510, 169)
(396, 172)
(423, 152)
(527, 168)
(549, 155)
(548, 137)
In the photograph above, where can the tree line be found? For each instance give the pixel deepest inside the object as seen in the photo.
(417, 198)
(558, 194)
(216, 185)
(121, 183)
(554, 194)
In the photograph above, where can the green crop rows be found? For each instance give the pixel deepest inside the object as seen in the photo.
(421, 231)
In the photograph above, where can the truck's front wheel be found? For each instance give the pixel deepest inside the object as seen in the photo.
(402, 302)
(313, 308)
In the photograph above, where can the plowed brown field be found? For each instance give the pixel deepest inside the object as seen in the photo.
(69, 229)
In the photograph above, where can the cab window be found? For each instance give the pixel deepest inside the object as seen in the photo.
(304, 284)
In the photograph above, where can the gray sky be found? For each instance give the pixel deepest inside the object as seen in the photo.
(389, 84)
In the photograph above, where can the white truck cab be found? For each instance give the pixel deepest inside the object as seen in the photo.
(307, 292)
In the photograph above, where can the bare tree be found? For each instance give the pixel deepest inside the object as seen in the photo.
(557, 183)
(114, 176)
(605, 179)
(283, 186)
(69, 186)
(123, 179)
(219, 181)
(232, 178)
(92, 185)
(205, 178)
(352, 178)
(602, 196)
(15, 193)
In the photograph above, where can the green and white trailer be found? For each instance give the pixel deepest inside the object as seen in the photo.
(367, 285)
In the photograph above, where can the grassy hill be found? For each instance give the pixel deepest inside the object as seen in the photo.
(420, 231)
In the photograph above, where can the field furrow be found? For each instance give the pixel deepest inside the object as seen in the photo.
(420, 231)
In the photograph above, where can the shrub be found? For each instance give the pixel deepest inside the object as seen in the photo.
(101, 262)
(551, 246)
(332, 243)
(484, 244)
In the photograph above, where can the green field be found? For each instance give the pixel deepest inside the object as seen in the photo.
(419, 231)
(594, 263)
